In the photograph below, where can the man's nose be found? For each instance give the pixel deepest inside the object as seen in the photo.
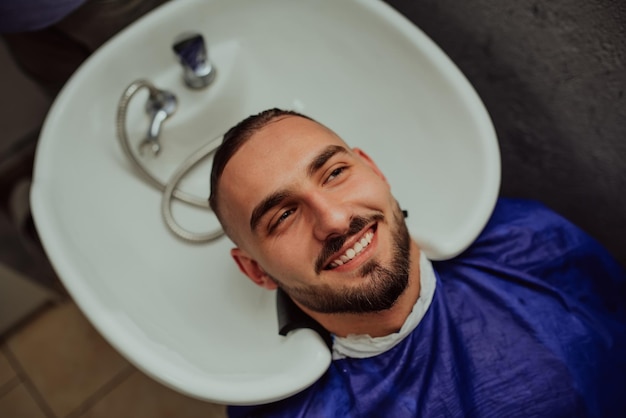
(332, 217)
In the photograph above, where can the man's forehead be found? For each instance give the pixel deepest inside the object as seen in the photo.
(293, 129)
(286, 141)
(271, 157)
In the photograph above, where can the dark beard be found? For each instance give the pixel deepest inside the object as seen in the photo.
(379, 291)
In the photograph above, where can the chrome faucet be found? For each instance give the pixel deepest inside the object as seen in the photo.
(191, 51)
(161, 105)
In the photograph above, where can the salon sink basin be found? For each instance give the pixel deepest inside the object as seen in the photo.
(182, 312)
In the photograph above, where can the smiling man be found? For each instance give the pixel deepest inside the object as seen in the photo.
(321, 224)
(530, 321)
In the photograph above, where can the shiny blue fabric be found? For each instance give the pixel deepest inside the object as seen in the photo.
(530, 321)
(31, 15)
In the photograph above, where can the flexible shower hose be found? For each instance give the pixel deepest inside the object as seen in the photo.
(170, 189)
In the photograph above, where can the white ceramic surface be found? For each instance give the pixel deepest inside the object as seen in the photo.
(182, 312)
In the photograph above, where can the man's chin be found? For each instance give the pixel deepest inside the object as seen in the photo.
(376, 291)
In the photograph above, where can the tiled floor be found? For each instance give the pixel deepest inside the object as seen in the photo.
(57, 365)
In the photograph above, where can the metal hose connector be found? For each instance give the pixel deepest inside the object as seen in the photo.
(170, 189)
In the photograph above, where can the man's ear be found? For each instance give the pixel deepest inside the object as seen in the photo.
(252, 269)
(368, 160)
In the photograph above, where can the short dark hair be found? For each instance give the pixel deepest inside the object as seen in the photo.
(233, 140)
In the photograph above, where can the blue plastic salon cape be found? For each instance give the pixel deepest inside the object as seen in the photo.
(530, 321)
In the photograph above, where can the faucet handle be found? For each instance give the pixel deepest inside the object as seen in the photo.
(192, 54)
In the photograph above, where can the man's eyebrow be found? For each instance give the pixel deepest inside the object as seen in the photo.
(277, 198)
(321, 159)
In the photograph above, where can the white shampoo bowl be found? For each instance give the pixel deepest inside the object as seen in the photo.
(181, 312)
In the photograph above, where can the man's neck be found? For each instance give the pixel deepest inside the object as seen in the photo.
(376, 324)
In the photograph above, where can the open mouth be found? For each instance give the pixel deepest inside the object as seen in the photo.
(349, 254)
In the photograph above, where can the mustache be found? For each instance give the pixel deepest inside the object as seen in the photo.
(334, 244)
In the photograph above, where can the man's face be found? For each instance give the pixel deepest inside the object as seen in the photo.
(316, 218)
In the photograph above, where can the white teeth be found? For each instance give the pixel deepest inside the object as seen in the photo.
(352, 252)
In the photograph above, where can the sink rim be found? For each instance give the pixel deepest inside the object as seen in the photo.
(80, 290)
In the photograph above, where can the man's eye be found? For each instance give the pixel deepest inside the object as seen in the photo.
(335, 173)
(285, 215)
(282, 218)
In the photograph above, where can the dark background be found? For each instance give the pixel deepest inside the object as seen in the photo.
(552, 75)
